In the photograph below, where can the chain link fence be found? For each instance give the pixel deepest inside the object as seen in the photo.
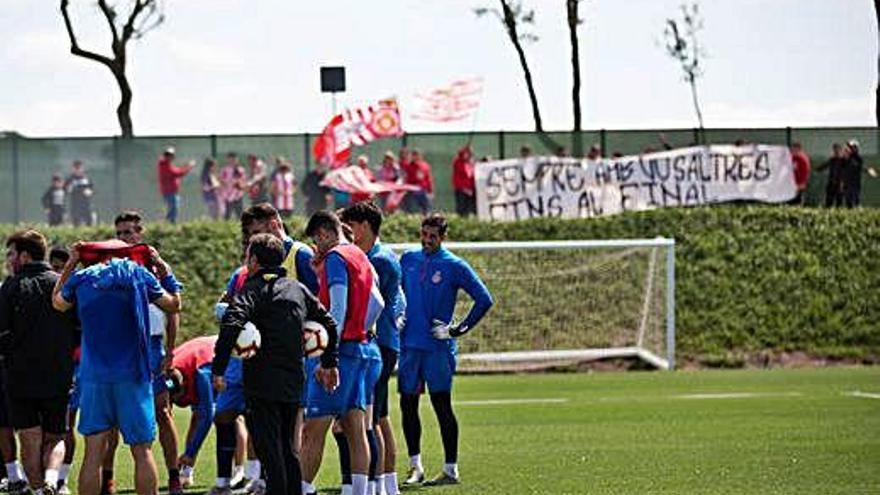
(124, 171)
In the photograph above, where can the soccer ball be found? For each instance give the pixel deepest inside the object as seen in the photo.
(248, 341)
(315, 339)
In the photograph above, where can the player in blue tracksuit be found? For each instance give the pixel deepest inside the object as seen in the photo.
(365, 221)
(432, 277)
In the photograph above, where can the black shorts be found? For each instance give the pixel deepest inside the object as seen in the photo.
(380, 400)
(48, 414)
(4, 402)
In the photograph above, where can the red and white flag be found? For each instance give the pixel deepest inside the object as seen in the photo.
(450, 103)
(355, 180)
(356, 127)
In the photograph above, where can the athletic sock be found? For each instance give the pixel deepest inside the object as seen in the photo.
(252, 469)
(187, 472)
(345, 490)
(391, 484)
(51, 477)
(416, 461)
(371, 487)
(12, 471)
(63, 472)
(344, 457)
(222, 482)
(308, 488)
(106, 480)
(173, 475)
(358, 484)
(451, 469)
(225, 449)
(380, 484)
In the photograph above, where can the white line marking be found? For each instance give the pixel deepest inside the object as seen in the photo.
(503, 402)
(737, 395)
(864, 395)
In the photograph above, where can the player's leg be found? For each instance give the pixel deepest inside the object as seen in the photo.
(69, 438)
(136, 414)
(409, 383)
(353, 384)
(240, 457)
(55, 427)
(320, 408)
(344, 457)
(383, 423)
(93, 459)
(26, 421)
(374, 441)
(108, 487)
(168, 439)
(96, 424)
(439, 371)
(229, 407)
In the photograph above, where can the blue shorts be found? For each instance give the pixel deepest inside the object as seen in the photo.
(127, 406)
(232, 399)
(374, 372)
(157, 354)
(433, 368)
(351, 393)
(73, 401)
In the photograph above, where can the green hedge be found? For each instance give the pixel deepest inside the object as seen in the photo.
(749, 278)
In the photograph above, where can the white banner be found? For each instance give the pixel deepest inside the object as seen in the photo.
(532, 187)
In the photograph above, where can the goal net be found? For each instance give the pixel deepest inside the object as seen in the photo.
(563, 303)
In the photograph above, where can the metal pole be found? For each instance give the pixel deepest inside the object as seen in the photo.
(500, 145)
(333, 99)
(213, 146)
(788, 136)
(117, 192)
(307, 156)
(15, 194)
(603, 142)
(670, 306)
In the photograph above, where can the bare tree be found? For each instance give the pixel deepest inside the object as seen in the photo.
(682, 45)
(513, 16)
(142, 16)
(574, 21)
(877, 93)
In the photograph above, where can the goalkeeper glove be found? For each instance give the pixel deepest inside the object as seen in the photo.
(445, 331)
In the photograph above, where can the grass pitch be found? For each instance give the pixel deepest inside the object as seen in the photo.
(708, 432)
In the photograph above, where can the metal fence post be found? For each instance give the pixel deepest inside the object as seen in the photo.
(788, 136)
(403, 139)
(117, 193)
(307, 157)
(697, 136)
(603, 142)
(214, 146)
(500, 145)
(16, 215)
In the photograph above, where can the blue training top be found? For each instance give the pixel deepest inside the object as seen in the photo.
(388, 267)
(112, 304)
(431, 284)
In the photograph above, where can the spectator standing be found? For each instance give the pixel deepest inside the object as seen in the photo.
(169, 182)
(114, 375)
(37, 344)
(852, 175)
(801, 163)
(418, 173)
(283, 187)
(834, 185)
(317, 196)
(258, 185)
(81, 191)
(463, 182)
(210, 188)
(390, 172)
(54, 200)
(232, 185)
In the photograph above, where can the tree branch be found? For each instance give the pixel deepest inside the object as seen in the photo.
(128, 30)
(74, 46)
(110, 15)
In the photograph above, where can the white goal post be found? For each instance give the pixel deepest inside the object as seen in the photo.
(560, 303)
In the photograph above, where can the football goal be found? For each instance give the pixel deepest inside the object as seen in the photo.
(562, 303)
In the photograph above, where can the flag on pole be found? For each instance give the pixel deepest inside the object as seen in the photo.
(356, 127)
(457, 101)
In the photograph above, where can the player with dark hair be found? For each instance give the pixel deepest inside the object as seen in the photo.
(273, 377)
(432, 277)
(348, 287)
(365, 221)
(37, 343)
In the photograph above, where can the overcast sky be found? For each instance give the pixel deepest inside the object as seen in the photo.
(251, 66)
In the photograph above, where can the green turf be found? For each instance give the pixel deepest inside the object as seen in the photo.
(633, 433)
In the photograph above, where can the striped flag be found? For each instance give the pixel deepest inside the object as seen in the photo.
(450, 103)
(356, 127)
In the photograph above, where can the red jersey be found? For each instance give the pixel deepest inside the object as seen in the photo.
(188, 358)
(169, 176)
(801, 162)
(418, 173)
(360, 284)
(463, 175)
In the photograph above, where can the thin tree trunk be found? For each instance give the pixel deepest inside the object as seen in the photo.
(123, 111)
(696, 103)
(572, 7)
(510, 23)
(877, 92)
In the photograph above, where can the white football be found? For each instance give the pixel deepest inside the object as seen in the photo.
(315, 339)
(248, 341)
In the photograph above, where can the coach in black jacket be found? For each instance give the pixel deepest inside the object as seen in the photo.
(273, 378)
(37, 342)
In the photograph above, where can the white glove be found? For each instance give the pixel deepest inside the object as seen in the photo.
(400, 322)
(440, 329)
